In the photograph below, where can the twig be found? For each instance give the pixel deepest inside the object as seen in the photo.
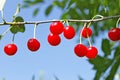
(69, 20)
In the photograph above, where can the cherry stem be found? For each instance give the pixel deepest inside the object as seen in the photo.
(101, 17)
(117, 24)
(81, 32)
(63, 22)
(13, 38)
(5, 32)
(67, 22)
(2, 13)
(34, 36)
(89, 41)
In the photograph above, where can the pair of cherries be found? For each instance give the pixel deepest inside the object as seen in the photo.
(81, 51)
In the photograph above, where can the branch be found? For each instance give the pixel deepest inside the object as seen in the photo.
(69, 20)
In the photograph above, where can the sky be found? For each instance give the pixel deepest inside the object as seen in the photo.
(48, 61)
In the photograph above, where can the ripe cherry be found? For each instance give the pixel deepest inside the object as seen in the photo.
(56, 27)
(69, 32)
(86, 32)
(80, 50)
(54, 39)
(114, 34)
(33, 44)
(10, 49)
(92, 52)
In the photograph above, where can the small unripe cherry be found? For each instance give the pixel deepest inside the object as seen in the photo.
(80, 50)
(33, 44)
(10, 49)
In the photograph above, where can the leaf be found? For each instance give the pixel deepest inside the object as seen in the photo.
(101, 60)
(65, 15)
(56, 78)
(106, 47)
(48, 10)
(80, 78)
(35, 11)
(70, 3)
(117, 52)
(2, 3)
(0, 37)
(33, 77)
(113, 70)
(17, 28)
(33, 2)
(100, 64)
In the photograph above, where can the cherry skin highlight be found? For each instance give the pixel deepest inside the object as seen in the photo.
(69, 32)
(86, 32)
(114, 34)
(56, 28)
(10, 49)
(92, 52)
(80, 50)
(33, 44)
(54, 39)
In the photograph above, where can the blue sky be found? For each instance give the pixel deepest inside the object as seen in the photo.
(48, 61)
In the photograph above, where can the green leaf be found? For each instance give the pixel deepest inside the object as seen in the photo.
(70, 3)
(80, 78)
(65, 15)
(17, 28)
(33, 77)
(0, 37)
(113, 70)
(35, 11)
(117, 52)
(48, 10)
(101, 60)
(106, 47)
(100, 64)
(56, 78)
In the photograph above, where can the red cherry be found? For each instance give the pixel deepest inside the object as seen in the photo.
(69, 32)
(86, 32)
(33, 44)
(10, 49)
(92, 52)
(80, 50)
(114, 34)
(53, 39)
(56, 27)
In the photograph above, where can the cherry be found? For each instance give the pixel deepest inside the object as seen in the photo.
(86, 32)
(33, 44)
(54, 39)
(69, 32)
(10, 49)
(91, 52)
(80, 50)
(114, 34)
(56, 27)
